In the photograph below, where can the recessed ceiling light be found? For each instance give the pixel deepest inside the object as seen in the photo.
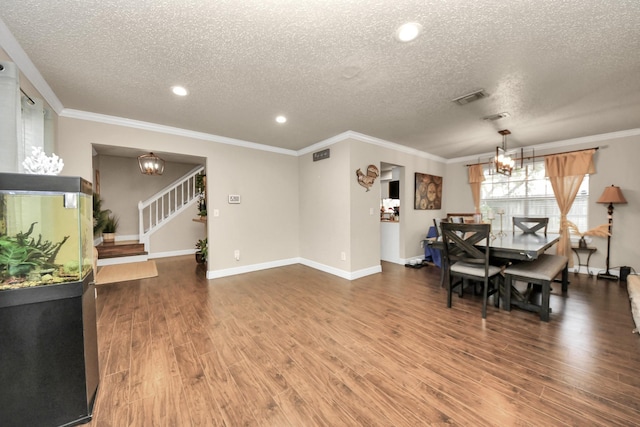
(409, 31)
(179, 90)
(281, 119)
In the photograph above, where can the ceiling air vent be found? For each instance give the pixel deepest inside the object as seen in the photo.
(470, 97)
(494, 117)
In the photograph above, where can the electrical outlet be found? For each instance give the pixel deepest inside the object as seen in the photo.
(216, 212)
(370, 211)
(236, 254)
(343, 256)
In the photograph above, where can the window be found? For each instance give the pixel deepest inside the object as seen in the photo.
(527, 192)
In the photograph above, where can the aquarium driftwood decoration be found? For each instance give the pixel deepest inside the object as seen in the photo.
(22, 254)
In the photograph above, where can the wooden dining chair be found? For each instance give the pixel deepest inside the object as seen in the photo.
(466, 254)
(436, 224)
(530, 224)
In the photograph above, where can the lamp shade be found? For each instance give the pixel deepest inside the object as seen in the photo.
(612, 195)
(150, 164)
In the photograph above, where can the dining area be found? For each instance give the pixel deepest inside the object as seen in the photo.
(513, 268)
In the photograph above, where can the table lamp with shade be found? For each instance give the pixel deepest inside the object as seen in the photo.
(611, 195)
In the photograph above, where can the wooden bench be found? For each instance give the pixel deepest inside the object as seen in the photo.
(541, 271)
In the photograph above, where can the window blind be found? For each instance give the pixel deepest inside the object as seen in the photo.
(528, 193)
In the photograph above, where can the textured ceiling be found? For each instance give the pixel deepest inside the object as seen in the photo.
(562, 69)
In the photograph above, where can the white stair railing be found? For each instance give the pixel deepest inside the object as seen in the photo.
(160, 208)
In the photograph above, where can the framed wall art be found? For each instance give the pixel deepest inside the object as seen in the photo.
(428, 191)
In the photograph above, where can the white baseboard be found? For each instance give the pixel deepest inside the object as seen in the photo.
(594, 270)
(122, 260)
(365, 272)
(172, 253)
(127, 238)
(405, 261)
(215, 274)
(119, 238)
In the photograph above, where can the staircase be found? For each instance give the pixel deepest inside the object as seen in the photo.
(121, 252)
(163, 206)
(153, 214)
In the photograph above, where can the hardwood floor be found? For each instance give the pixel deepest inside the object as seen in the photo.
(293, 346)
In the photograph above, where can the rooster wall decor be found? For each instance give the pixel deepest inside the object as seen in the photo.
(367, 180)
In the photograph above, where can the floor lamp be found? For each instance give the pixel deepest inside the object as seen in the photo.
(611, 195)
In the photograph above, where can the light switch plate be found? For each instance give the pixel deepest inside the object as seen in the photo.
(234, 198)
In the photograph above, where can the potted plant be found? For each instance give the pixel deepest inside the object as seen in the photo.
(202, 251)
(109, 229)
(201, 186)
(99, 215)
(600, 231)
(202, 208)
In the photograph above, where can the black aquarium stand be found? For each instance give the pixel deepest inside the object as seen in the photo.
(48, 355)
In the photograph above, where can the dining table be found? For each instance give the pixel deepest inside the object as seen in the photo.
(521, 246)
(510, 247)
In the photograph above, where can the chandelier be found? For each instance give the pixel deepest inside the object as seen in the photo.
(504, 162)
(150, 164)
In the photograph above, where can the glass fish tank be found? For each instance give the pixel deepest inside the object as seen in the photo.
(46, 230)
(49, 352)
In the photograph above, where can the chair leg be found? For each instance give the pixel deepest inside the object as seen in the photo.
(485, 296)
(449, 292)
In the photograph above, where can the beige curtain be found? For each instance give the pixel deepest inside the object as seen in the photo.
(476, 176)
(565, 172)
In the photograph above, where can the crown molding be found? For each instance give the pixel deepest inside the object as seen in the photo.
(137, 124)
(559, 144)
(369, 140)
(10, 45)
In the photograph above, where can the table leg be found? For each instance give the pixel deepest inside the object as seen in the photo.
(507, 293)
(544, 306)
(588, 259)
(579, 261)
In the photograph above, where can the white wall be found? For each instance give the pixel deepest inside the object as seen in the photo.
(364, 209)
(178, 235)
(414, 223)
(324, 209)
(264, 227)
(338, 215)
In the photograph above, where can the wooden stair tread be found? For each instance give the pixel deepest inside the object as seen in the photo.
(114, 250)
